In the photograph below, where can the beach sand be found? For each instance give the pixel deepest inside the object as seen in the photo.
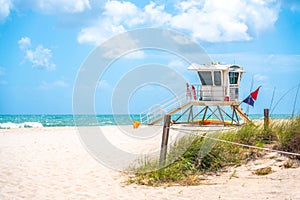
(52, 163)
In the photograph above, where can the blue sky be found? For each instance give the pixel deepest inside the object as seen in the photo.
(43, 44)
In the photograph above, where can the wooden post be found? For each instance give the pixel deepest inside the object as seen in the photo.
(266, 119)
(165, 138)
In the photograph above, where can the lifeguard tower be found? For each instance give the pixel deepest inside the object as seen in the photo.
(208, 102)
(218, 82)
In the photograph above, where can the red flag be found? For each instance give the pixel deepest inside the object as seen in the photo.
(194, 92)
(255, 93)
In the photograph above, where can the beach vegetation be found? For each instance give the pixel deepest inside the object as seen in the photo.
(263, 171)
(288, 135)
(198, 160)
(288, 164)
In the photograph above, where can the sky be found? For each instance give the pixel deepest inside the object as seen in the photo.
(44, 43)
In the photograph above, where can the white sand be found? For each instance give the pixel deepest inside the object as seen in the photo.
(51, 163)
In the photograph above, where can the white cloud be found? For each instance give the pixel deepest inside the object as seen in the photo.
(207, 20)
(234, 20)
(39, 57)
(178, 38)
(99, 32)
(96, 36)
(120, 46)
(130, 15)
(24, 43)
(57, 6)
(186, 5)
(115, 16)
(118, 17)
(52, 85)
(44, 6)
(5, 7)
(122, 12)
(156, 14)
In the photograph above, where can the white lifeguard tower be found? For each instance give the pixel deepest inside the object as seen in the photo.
(218, 82)
(219, 88)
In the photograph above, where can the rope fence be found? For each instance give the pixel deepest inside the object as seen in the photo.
(234, 143)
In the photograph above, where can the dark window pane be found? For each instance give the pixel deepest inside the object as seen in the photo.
(217, 78)
(205, 78)
(233, 77)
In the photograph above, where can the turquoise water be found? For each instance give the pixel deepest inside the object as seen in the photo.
(30, 121)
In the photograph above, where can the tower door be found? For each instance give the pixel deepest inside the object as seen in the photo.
(234, 85)
(234, 93)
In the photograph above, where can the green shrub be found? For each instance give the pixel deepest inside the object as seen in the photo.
(186, 169)
(193, 156)
(288, 135)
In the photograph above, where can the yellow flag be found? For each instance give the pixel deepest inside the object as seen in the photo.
(136, 124)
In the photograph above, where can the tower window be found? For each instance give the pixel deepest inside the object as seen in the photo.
(233, 77)
(217, 78)
(206, 78)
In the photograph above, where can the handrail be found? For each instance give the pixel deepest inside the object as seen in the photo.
(151, 114)
(163, 102)
(202, 93)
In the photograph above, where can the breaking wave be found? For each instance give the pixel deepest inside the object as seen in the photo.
(9, 125)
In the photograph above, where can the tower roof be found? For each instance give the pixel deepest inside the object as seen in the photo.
(215, 66)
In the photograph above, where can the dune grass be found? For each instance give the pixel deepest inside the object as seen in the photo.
(204, 156)
(288, 135)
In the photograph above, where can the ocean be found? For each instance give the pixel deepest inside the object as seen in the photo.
(34, 121)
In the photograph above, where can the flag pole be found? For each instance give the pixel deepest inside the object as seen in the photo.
(295, 101)
(247, 111)
(272, 98)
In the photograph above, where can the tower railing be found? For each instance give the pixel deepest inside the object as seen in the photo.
(162, 108)
(171, 105)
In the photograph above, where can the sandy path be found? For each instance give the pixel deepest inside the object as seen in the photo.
(50, 163)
